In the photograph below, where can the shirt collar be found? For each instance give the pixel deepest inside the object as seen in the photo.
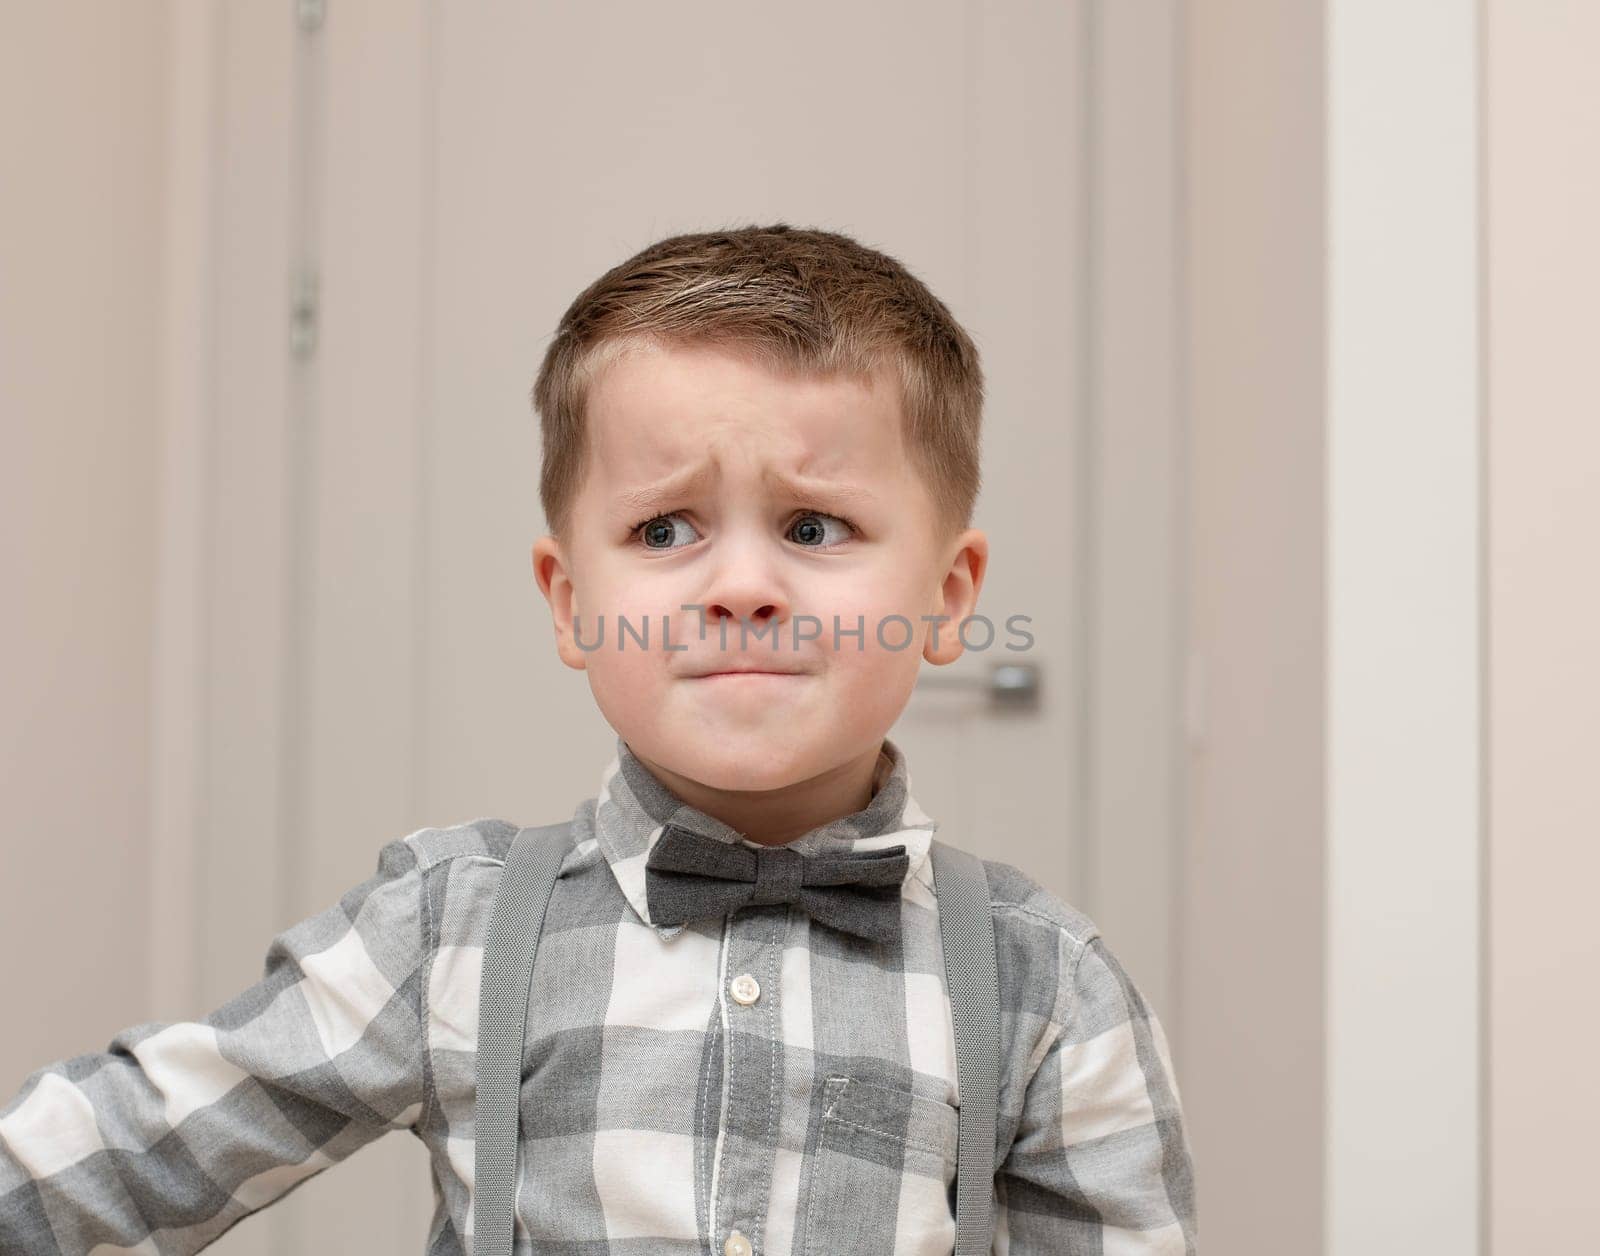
(634, 805)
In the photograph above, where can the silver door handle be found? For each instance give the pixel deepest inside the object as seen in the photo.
(1007, 684)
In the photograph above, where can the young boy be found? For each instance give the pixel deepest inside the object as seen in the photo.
(760, 446)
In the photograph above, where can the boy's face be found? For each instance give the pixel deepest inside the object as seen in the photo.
(764, 538)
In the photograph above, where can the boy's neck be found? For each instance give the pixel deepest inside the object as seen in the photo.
(779, 816)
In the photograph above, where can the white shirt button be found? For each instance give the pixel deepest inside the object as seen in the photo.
(745, 989)
(737, 1245)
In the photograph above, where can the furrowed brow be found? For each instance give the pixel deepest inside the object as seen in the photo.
(651, 495)
(800, 486)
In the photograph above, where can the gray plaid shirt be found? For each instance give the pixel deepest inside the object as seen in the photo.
(683, 1086)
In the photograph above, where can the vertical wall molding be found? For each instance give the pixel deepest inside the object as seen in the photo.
(1404, 502)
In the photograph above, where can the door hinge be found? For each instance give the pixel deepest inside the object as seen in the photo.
(304, 311)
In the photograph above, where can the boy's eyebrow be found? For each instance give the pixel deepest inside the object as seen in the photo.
(673, 486)
(686, 482)
(800, 486)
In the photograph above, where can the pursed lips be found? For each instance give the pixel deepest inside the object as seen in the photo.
(745, 671)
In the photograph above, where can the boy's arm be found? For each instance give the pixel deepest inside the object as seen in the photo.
(175, 1132)
(1100, 1161)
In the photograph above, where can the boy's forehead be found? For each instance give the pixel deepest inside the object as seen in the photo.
(662, 415)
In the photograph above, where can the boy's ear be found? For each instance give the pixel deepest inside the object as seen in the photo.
(554, 576)
(967, 561)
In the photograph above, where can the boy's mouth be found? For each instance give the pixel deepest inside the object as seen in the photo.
(748, 674)
(745, 669)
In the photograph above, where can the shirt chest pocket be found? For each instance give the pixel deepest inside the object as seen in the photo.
(882, 1178)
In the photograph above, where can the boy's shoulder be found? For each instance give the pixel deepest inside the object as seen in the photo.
(1040, 943)
(487, 837)
(1015, 894)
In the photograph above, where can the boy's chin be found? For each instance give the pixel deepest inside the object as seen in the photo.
(754, 762)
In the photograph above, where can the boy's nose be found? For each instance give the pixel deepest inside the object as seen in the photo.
(732, 608)
(746, 588)
(745, 632)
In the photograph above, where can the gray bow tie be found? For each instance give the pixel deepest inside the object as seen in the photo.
(690, 876)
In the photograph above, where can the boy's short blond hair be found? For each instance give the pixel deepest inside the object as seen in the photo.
(797, 300)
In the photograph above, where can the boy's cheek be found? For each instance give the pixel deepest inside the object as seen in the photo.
(865, 669)
(633, 699)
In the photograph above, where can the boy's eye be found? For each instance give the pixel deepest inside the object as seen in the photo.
(657, 532)
(808, 527)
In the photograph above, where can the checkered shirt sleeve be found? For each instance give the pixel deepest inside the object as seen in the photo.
(175, 1132)
(1100, 1161)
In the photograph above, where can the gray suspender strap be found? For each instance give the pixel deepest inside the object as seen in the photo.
(515, 923)
(967, 925)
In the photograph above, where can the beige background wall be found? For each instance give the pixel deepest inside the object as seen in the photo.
(83, 142)
(1542, 203)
